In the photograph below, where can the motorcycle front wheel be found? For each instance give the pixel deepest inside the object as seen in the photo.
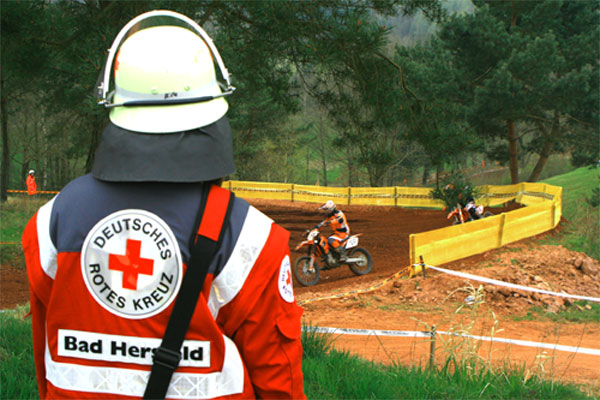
(364, 265)
(303, 272)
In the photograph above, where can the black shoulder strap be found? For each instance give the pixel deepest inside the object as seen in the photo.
(209, 235)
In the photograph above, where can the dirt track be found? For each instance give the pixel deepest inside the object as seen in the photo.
(385, 235)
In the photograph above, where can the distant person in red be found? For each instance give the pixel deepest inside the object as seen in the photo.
(31, 186)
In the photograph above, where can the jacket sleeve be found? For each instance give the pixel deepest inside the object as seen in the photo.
(265, 323)
(40, 259)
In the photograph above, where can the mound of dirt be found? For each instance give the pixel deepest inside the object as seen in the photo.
(549, 268)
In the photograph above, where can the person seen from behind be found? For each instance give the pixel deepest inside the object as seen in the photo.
(336, 219)
(108, 257)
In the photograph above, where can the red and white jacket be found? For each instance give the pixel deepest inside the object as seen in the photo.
(105, 261)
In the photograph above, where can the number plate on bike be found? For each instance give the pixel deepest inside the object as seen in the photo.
(353, 241)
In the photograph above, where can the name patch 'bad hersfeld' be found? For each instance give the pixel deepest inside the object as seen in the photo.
(131, 264)
(128, 349)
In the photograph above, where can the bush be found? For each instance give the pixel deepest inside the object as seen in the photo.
(594, 199)
(455, 188)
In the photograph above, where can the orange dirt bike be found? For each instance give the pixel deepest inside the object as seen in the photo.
(461, 214)
(307, 267)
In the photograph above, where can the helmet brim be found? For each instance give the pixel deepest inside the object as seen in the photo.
(196, 155)
(168, 119)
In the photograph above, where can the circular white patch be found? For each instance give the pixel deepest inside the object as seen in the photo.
(286, 289)
(131, 264)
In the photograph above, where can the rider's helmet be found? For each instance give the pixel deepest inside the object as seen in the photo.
(167, 108)
(328, 207)
(31, 172)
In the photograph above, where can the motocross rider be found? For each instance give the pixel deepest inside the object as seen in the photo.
(337, 220)
(469, 205)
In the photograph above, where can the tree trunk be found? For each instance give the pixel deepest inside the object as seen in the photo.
(425, 174)
(547, 148)
(322, 150)
(350, 163)
(5, 150)
(539, 166)
(307, 164)
(512, 151)
(324, 162)
(324, 171)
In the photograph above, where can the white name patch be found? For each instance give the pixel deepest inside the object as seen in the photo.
(131, 264)
(127, 349)
(286, 290)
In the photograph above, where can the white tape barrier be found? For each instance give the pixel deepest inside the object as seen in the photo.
(527, 343)
(510, 285)
(364, 332)
(518, 342)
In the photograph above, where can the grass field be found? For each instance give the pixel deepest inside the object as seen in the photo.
(580, 312)
(15, 214)
(582, 228)
(328, 373)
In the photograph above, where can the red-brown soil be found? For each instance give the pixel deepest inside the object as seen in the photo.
(418, 303)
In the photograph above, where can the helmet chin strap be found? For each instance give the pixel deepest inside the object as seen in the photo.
(105, 98)
(174, 101)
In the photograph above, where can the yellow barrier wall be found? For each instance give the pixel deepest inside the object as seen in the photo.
(455, 242)
(320, 194)
(383, 196)
(261, 190)
(543, 212)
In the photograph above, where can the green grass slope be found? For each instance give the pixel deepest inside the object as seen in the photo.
(582, 220)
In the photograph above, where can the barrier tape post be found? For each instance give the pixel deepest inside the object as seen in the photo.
(416, 268)
(432, 348)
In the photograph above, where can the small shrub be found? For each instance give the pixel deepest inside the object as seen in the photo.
(594, 199)
(455, 188)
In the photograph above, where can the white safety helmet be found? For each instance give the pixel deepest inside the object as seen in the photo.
(167, 107)
(31, 172)
(164, 76)
(329, 206)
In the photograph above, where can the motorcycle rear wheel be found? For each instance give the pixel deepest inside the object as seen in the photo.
(302, 273)
(487, 214)
(365, 265)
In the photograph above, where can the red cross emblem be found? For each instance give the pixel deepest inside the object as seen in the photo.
(131, 264)
(288, 280)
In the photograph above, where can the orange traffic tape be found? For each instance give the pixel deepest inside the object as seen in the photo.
(39, 191)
